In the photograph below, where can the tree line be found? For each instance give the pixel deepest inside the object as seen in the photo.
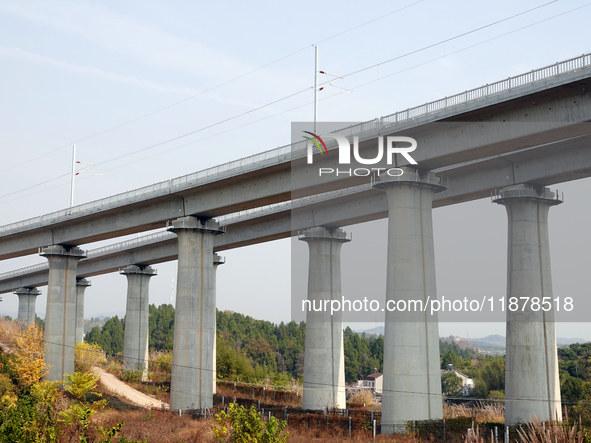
(250, 349)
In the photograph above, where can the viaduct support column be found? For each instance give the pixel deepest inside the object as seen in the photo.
(81, 285)
(60, 316)
(532, 386)
(412, 377)
(217, 260)
(324, 360)
(135, 341)
(26, 304)
(195, 320)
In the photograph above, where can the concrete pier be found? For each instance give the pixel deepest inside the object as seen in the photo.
(135, 341)
(27, 298)
(195, 320)
(412, 378)
(81, 285)
(217, 260)
(60, 316)
(324, 360)
(532, 386)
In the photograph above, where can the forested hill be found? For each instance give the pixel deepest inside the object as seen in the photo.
(248, 347)
(249, 350)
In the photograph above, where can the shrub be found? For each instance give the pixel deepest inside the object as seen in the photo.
(240, 426)
(132, 376)
(363, 396)
(27, 360)
(88, 355)
(160, 366)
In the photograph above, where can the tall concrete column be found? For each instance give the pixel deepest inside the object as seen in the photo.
(412, 377)
(60, 314)
(532, 386)
(135, 341)
(195, 321)
(217, 260)
(26, 304)
(324, 359)
(81, 285)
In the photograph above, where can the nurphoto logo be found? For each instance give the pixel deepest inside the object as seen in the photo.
(393, 146)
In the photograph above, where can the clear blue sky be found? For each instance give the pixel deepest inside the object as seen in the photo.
(73, 69)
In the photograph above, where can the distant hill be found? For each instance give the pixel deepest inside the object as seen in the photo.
(493, 340)
(379, 330)
(561, 341)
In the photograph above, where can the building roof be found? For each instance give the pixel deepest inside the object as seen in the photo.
(374, 375)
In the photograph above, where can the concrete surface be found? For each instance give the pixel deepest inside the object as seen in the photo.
(412, 378)
(532, 385)
(81, 285)
(137, 327)
(324, 359)
(27, 298)
(195, 320)
(60, 314)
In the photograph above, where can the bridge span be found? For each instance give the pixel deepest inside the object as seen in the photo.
(517, 136)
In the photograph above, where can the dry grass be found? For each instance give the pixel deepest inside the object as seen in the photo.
(88, 355)
(229, 393)
(9, 331)
(158, 391)
(484, 413)
(114, 366)
(157, 426)
(364, 397)
(302, 435)
(538, 432)
(160, 366)
(164, 427)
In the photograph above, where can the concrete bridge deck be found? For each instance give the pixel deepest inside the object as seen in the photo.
(543, 106)
(563, 161)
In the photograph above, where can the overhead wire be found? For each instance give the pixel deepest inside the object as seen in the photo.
(212, 88)
(326, 82)
(306, 89)
(314, 384)
(355, 87)
(424, 48)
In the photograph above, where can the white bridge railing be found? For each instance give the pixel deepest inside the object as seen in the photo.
(285, 152)
(155, 237)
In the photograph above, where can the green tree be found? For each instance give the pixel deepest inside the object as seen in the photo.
(114, 328)
(451, 384)
(450, 358)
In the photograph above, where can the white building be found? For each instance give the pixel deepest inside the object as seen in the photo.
(374, 381)
(467, 382)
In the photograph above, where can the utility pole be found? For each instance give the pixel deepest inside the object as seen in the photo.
(73, 174)
(315, 86)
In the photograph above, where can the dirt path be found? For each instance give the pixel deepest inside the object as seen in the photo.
(117, 387)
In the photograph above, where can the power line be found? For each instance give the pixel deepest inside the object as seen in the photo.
(353, 88)
(210, 89)
(308, 88)
(389, 391)
(472, 46)
(304, 90)
(449, 39)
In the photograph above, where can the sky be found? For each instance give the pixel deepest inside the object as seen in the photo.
(150, 91)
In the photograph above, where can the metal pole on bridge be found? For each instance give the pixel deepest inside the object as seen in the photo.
(315, 86)
(73, 175)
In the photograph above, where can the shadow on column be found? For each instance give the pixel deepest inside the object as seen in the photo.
(137, 328)
(195, 316)
(412, 378)
(324, 361)
(532, 385)
(60, 317)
